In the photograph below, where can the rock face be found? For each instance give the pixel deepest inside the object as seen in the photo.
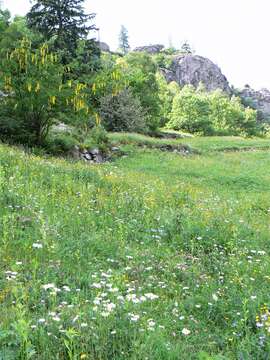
(103, 46)
(260, 100)
(193, 69)
(150, 49)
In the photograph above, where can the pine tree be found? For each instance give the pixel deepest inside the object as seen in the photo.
(123, 40)
(186, 48)
(62, 20)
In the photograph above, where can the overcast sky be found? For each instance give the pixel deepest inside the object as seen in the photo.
(234, 34)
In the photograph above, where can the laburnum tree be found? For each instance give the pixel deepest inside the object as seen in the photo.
(64, 22)
(35, 95)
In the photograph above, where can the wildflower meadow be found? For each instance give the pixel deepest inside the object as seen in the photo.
(153, 256)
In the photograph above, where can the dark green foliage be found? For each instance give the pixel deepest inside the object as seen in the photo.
(122, 112)
(62, 20)
(142, 80)
(123, 40)
(86, 61)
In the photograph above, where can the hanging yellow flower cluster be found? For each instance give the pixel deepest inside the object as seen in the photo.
(35, 81)
(21, 54)
(98, 119)
(45, 56)
(78, 100)
(25, 57)
(52, 100)
(8, 84)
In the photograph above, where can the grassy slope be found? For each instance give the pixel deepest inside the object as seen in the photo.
(191, 230)
(201, 144)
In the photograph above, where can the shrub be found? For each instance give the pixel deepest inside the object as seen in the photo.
(163, 60)
(60, 144)
(122, 112)
(229, 116)
(141, 75)
(98, 138)
(197, 111)
(190, 112)
(166, 94)
(136, 71)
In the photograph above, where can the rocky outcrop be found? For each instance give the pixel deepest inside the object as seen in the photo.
(103, 46)
(193, 70)
(259, 100)
(150, 49)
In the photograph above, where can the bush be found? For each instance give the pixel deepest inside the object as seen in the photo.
(163, 60)
(190, 112)
(60, 144)
(229, 117)
(136, 71)
(141, 75)
(98, 138)
(197, 111)
(166, 94)
(122, 112)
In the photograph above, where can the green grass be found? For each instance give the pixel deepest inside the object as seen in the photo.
(155, 256)
(201, 144)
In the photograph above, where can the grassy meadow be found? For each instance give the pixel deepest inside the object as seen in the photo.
(155, 256)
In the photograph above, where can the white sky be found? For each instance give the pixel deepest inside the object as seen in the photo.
(233, 33)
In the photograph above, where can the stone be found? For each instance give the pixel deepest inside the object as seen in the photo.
(75, 153)
(87, 156)
(103, 46)
(258, 99)
(25, 220)
(62, 128)
(150, 49)
(115, 148)
(168, 74)
(98, 159)
(194, 69)
(94, 151)
(2, 94)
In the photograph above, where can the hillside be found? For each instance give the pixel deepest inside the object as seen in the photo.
(157, 255)
(134, 195)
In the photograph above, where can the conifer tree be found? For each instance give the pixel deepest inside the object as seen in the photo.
(123, 40)
(61, 20)
(186, 48)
